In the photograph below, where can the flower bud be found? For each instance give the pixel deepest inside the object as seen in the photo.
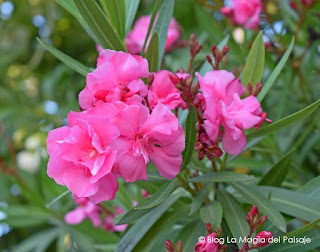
(262, 220)
(263, 239)
(169, 246)
(209, 228)
(254, 212)
(179, 246)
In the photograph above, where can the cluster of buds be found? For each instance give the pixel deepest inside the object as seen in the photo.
(255, 90)
(170, 248)
(194, 46)
(217, 55)
(205, 146)
(254, 223)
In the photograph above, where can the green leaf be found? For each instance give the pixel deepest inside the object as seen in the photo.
(286, 246)
(277, 174)
(134, 235)
(153, 16)
(285, 122)
(69, 61)
(190, 234)
(234, 214)
(303, 229)
(274, 75)
(99, 25)
(152, 54)
(293, 203)
(157, 198)
(198, 200)
(162, 24)
(264, 205)
(224, 176)
(82, 241)
(58, 198)
(131, 10)
(312, 188)
(38, 242)
(133, 215)
(115, 10)
(212, 213)
(255, 62)
(191, 132)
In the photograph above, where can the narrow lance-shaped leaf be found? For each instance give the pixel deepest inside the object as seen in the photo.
(157, 198)
(277, 174)
(269, 83)
(264, 205)
(99, 25)
(155, 10)
(255, 62)
(191, 132)
(131, 10)
(115, 10)
(69, 61)
(212, 213)
(198, 200)
(224, 176)
(312, 188)
(152, 54)
(234, 214)
(162, 25)
(285, 122)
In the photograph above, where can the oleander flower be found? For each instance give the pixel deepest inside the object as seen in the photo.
(116, 78)
(223, 107)
(157, 136)
(85, 209)
(81, 156)
(263, 239)
(208, 244)
(244, 12)
(136, 37)
(164, 91)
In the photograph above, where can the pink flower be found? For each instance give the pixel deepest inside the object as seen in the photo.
(223, 106)
(136, 37)
(109, 224)
(157, 136)
(244, 12)
(263, 239)
(163, 91)
(208, 244)
(81, 156)
(116, 78)
(85, 209)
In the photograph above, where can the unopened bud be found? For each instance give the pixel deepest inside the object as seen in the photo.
(249, 87)
(169, 246)
(225, 50)
(293, 5)
(179, 246)
(209, 228)
(263, 239)
(209, 59)
(174, 78)
(262, 220)
(254, 212)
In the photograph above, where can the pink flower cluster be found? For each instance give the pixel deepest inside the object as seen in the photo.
(244, 12)
(135, 38)
(208, 244)
(223, 108)
(116, 134)
(87, 209)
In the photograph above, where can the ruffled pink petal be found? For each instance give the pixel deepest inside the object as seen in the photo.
(75, 217)
(108, 186)
(233, 141)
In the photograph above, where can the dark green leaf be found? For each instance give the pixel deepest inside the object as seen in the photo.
(133, 215)
(212, 213)
(234, 214)
(157, 198)
(131, 10)
(224, 176)
(293, 203)
(152, 54)
(264, 205)
(134, 235)
(162, 24)
(115, 10)
(255, 62)
(285, 122)
(191, 132)
(277, 174)
(272, 78)
(303, 229)
(198, 200)
(312, 188)
(69, 61)
(99, 25)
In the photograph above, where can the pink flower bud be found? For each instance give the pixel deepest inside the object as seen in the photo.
(262, 220)
(263, 239)
(293, 5)
(179, 246)
(209, 228)
(169, 246)
(254, 211)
